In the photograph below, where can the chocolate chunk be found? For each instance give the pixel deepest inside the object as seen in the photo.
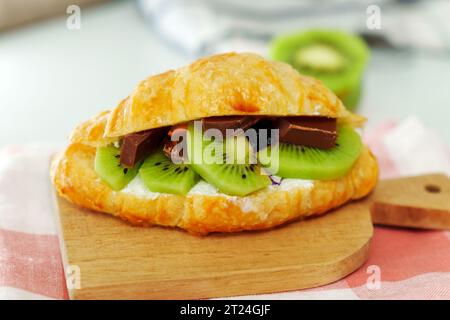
(267, 124)
(136, 146)
(229, 122)
(317, 132)
(181, 131)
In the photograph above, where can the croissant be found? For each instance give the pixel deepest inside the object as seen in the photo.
(219, 85)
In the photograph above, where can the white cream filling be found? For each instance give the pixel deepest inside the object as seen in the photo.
(137, 188)
(288, 184)
(204, 188)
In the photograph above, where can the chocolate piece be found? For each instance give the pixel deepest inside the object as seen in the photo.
(266, 123)
(229, 122)
(317, 132)
(136, 146)
(181, 131)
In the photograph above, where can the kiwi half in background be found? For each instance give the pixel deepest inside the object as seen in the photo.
(160, 174)
(320, 164)
(337, 58)
(236, 175)
(107, 166)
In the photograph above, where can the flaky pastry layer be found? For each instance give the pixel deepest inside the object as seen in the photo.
(225, 84)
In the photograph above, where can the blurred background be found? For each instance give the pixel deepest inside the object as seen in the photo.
(63, 61)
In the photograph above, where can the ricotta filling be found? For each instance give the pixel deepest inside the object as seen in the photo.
(137, 188)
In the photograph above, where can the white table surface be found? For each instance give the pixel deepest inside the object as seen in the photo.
(52, 78)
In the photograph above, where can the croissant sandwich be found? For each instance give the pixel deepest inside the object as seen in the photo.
(231, 142)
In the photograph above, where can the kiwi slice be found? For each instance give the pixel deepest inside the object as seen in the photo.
(320, 57)
(160, 174)
(233, 171)
(107, 166)
(337, 58)
(320, 164)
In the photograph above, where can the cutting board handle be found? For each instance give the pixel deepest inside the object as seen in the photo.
(416, 202)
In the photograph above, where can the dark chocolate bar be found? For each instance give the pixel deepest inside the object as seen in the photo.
(317, 132)
(136, 146)
(229, 122)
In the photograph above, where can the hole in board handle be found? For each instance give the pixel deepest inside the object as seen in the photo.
(432, 188)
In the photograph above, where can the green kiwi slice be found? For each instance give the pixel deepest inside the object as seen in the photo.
(320, 164)
(160, 174)
(320, 57)
(337, 58)
(232, 173)
(107, 166)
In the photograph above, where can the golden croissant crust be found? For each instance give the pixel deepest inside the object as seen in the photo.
(225, 84)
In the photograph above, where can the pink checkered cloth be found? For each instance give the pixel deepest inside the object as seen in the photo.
(403, 264)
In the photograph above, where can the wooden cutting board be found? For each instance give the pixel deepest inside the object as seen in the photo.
(105, 258)
(109, 259)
